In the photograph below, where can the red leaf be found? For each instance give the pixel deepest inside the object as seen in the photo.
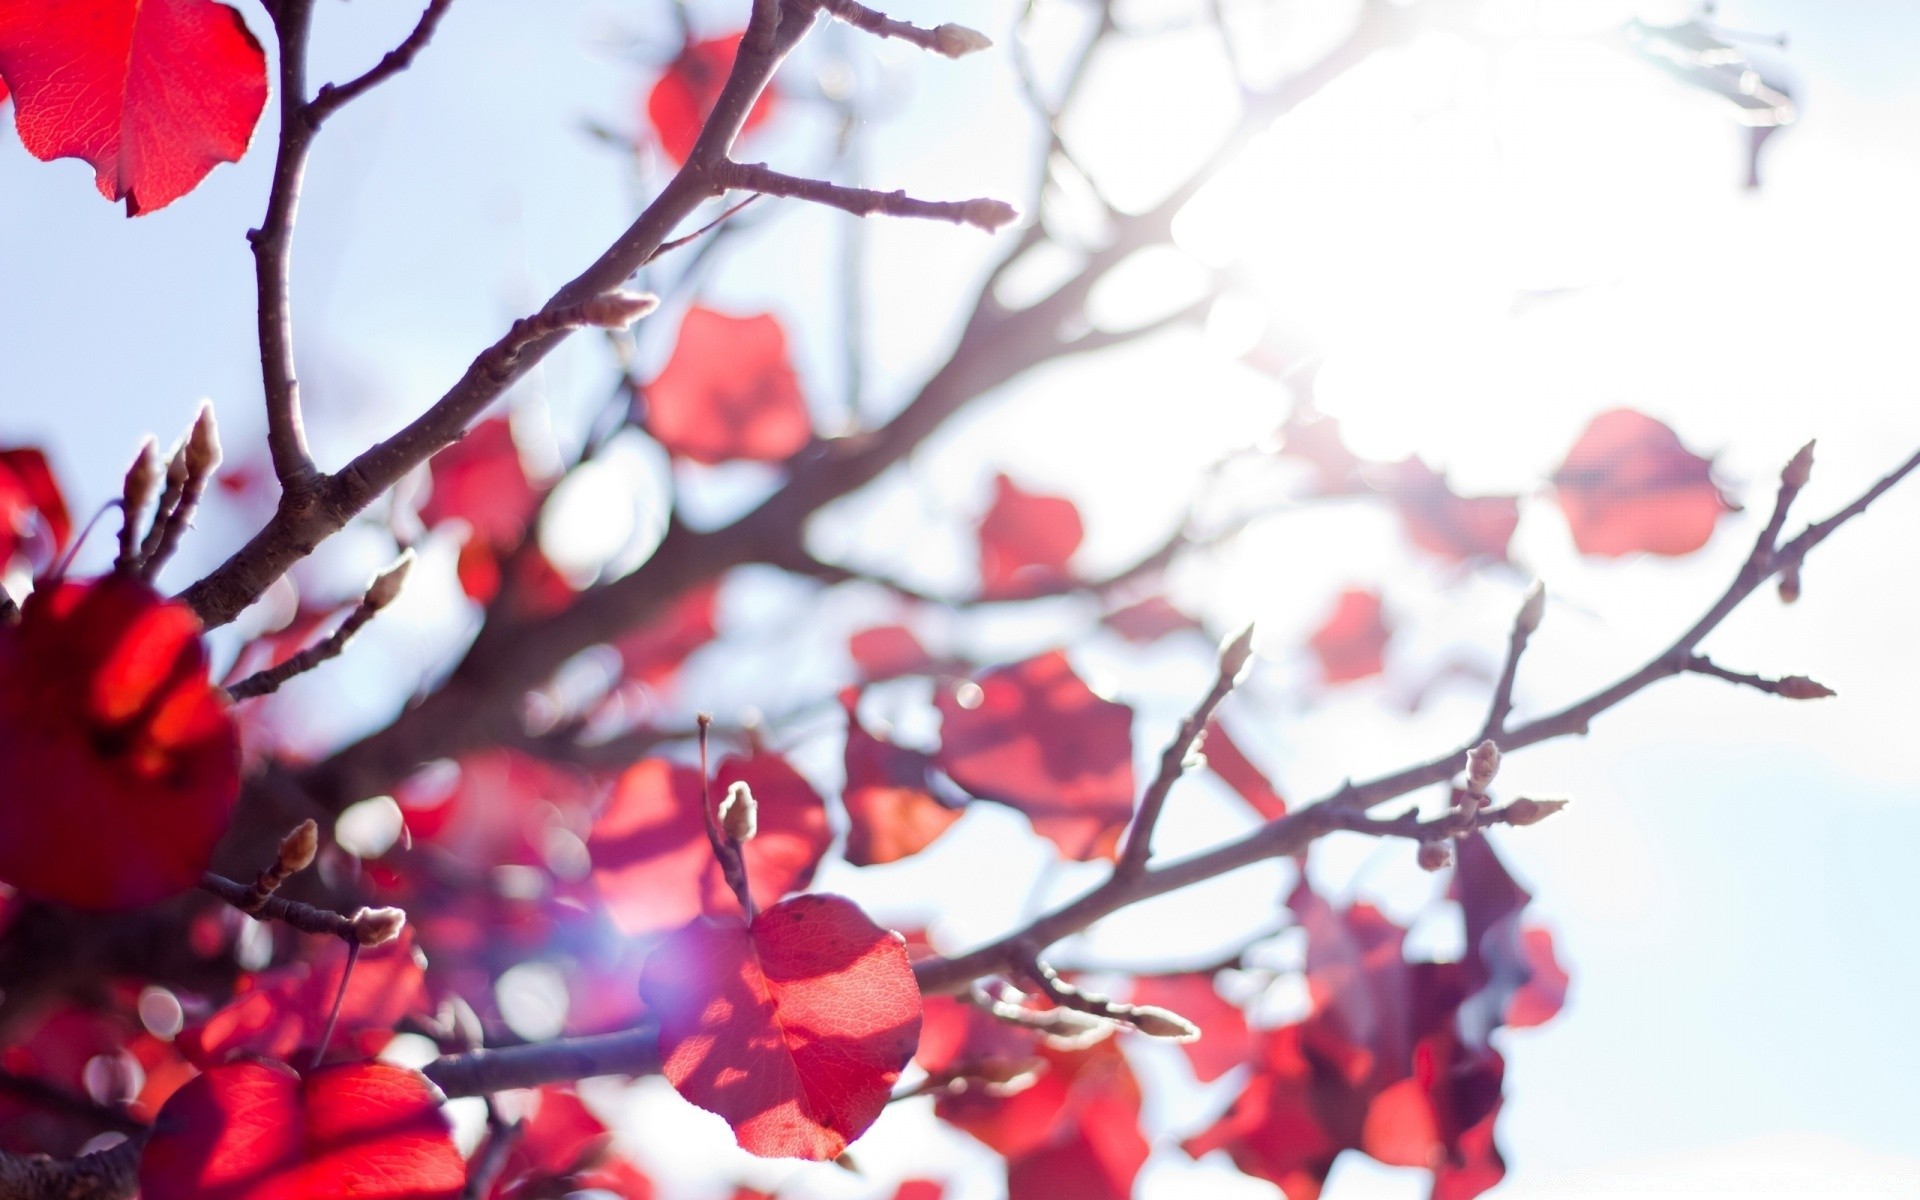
(119, 761)
(1224, 1041)
(728, 392)
(1275, 1129)
(652, 654)
(1540, 998)
(793, 1029)
(257, 1131)
(1074, 1132)
(152, 93)
(282, 1013)
(480, 480)
(960, 1040)
(32, 511)
(1629, 486)
(1352, 644)
(1226, 760)
(888, 651)
(1042, 742)
(652, 863)
(920, 1189)
(892, 813)
(1455, 527)
(1148, 621)
(1316, 441)
(683, 96)
(562, 1149)
(1025, 542)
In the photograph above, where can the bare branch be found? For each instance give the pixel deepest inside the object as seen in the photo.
(863, 202)
(364, 927)
(110, 1174)
(479, 1072)
(1791, 687)
(333, 97)
(1524, 623)
(954, 41)
(383, 590)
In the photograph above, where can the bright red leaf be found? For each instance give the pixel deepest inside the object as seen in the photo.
(152, 93)
(891, 811)
(888, 651)
(1074, 1132)
(728, 392)
(685, 93)
(281, 1014)
(119, 761)
(561, 1149)
(33, 513)
(479, 479)
(1629, 486)
(920, 1189)
(1352, 643)
(792, 1029)
(258, 1131)
(1025, 541)
(1040, 741)
(1455, 527)
(1231, 764)
(1540, 998)
(653, 866)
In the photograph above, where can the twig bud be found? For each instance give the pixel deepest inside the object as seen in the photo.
(1527, 811)
(1161, 1023)
(298, 848)
(1799, 469)
(1483, 763)
(143, 478)
(1799, 687)
(203, 444)
(1790, 584)
(1236, 652)
(618, 309)
(739, 814)
(988, 214)
(386, 585)
(958, 41)
(1435, 856)
(1532, 609)
(377, 926)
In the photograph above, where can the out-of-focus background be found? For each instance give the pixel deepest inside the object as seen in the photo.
(1477, 244)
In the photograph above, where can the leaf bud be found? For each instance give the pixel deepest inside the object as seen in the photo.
(143, 478)
(298, 848)
(1162, 1023)
(377, 926)
(203, 444)
(1236, 652)
(1799, 687)
(1799, 469)
(1483, 763)
(618, 309)
(1532, 608)
(958, 41)
(988, 214)
(1528, 811)
(1435, 856)
(739, 814)
(1790, 584)
(386, 585)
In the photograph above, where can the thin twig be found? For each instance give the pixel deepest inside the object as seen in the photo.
(1234, 656)
(981, 213)
(1524, 623)
(479, 1072)
(333, 97)
(366, 926)
(380, 593)
(484, 1168)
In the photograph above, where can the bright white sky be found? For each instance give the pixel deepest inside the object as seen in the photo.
(1733, 889)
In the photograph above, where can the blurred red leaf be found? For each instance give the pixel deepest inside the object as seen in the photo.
(1025, 541)
(119, 761)
(1224, 1041)
(685, 93)
(282, 1013)
(562, 1148)
(960, 1040)
(792, 1029)
(1540, 998)
(495, 807)
(1148, 621)
(152, 93)
(1042, 742)
(887, 651)
(1629, 486)
(728, 392)
(1230, 763)
(652, 653)
(258, 1131)
(1074, 1132)
(30, 505)
(653, 866)
(479, 479)
(920, 1189)
(1440, 521)
(1315, 440)
(1277, 1129)
(892, 814)
(1352, 643)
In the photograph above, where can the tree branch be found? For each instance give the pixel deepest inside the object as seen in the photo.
(334, 97)
(479, 1072)
(862, 202)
